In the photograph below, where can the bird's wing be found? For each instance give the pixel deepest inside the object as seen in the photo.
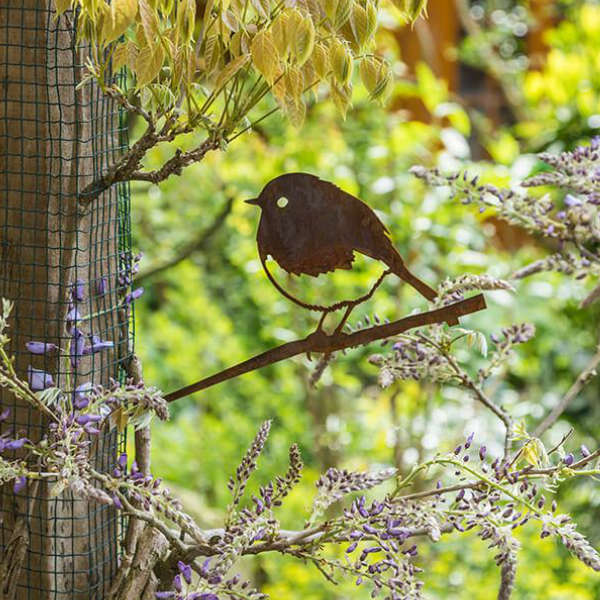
(326, 261)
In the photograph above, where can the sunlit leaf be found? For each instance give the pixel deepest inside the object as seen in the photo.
(342, 13)
(341, 62)
(231, 70)
(149, 21)
(302, 39)
(264, 55)
(62, 6)
(148, 64)
(122, 15)
(320, 60)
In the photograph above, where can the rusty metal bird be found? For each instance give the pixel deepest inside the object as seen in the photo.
(310, 227)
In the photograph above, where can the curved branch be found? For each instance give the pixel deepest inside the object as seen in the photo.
(197, 244)
(323, 343)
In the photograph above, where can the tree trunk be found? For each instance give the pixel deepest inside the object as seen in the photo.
(54, 139)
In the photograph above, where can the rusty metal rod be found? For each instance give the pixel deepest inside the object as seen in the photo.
(321, 342)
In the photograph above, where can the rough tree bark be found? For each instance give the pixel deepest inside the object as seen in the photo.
(53, 140)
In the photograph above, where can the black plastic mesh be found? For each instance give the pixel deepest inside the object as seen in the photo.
(55, 139)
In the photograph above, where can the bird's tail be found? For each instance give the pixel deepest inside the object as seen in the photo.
(399, 269)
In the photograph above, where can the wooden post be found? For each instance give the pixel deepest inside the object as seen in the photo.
(53, 140)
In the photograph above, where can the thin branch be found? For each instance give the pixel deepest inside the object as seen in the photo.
(320, 342)
(582, 379)
(287, 540)
(478, 393)
(195, 245)
(177, 162)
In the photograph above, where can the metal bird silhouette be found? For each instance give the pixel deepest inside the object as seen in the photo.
(310, 227)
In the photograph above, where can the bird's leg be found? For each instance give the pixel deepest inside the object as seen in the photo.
(321, 321)
(319, 330)
(326, 358)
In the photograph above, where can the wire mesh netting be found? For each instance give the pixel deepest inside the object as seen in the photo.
(62, 264)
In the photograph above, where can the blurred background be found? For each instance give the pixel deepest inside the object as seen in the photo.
(483, 85)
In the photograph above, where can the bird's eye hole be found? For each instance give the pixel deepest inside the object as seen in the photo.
(282, 202)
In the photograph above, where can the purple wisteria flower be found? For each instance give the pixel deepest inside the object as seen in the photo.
(38, 379)
(72, 318)
(41, 347)
(77, 346)
(97, 345)
(129, 298)
(101, 286)
(80, 395)
(14, 444)
(4, 414)
(20, 484)
(78, 291)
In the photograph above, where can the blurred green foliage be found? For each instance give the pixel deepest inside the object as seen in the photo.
(216, 308)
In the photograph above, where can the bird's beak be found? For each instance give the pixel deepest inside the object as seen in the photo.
(253, 201)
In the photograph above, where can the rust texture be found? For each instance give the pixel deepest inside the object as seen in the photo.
(311, 227)
(321, 342)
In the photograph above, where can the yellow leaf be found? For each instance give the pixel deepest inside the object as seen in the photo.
(62, 6)
(132, 54)
(119, 57)
(411, 9)
(371, 19)
(230, 20)
(359, 24)
(303, 39)
(148, 64)
(212, 53)
(279, 32)
(341, 62)
(296, 112)
(342, 13)
(262, 8)
(149, 20)
(122, 15)
(279, 89)
(316, 10)
(231, 70)
(375, 76)
(310, 77)
(186, 19)
(341, 96)
(264, 55)
(330, 7)
(320, 60)
(294, 83)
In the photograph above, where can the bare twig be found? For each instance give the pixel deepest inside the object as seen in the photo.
(467, 382)
(582, 379)
(592, 297)
(320, 342)
(195, 245)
